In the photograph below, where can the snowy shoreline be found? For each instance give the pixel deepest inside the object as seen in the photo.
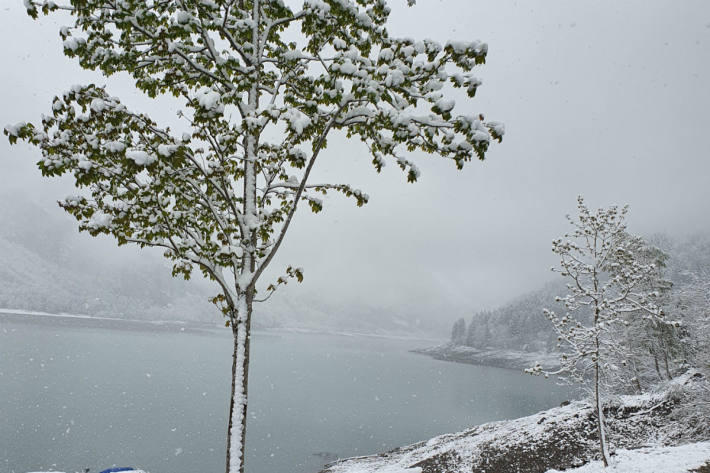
(90, 321)
(649, 433)
(498, 358)
(82, 320)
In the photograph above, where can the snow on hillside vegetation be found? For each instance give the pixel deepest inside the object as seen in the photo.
(560, 438)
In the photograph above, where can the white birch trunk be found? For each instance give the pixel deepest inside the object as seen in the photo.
(240, 364)
(240, 376)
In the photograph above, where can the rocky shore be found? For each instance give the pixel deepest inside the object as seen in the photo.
(562, 438)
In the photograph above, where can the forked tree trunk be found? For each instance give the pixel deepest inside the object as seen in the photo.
(236, 431)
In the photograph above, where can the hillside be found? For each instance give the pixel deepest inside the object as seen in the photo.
(520, 325)
(560, 438)
(45, 265)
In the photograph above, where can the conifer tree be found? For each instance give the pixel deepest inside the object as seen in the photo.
(647, 340)
(458, 332)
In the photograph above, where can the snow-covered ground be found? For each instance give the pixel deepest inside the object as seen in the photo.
(564, 438)
(111, 469)
(680, 459)
(466, 451)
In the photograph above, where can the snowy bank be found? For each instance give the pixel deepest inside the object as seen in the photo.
(559, 438)
(498, 358)
(685, 458)
(111, 323)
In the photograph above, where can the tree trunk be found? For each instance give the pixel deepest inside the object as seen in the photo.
(637, 384)
(236, 435)
(665, 362)
(597, 394)
(658, 369)
(636, 380)
(597, 378)
(600, 415)
(236, 432)
(231, 398)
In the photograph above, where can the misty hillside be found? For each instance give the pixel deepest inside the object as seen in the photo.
(46, 265)
(521, 325)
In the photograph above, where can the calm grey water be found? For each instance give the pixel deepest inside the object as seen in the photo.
(73, 398)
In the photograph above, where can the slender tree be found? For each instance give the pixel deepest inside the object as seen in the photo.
(261, 85)
(607, 280)
(647, 340)
(691, 305)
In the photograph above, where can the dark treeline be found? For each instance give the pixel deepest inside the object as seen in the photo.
(518, 325)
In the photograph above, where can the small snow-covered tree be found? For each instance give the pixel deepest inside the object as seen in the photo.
(608, 279)
(261, 85)
(691, 305)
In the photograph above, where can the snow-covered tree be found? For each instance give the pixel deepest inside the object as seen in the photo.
(691, 305)
(689, 300)
(261, 85)
(648, 342)
(458, 332)
(607, 280)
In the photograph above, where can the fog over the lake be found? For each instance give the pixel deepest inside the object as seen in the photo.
(608, 100)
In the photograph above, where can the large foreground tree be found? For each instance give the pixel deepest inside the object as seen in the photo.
(261, 85)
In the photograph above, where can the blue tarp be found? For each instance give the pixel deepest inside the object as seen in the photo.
(114, 470)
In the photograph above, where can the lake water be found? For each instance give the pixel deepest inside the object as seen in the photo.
(76, 397)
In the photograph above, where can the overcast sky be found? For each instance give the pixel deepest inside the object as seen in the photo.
(607, 99)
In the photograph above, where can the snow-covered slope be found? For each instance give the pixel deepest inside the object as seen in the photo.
(560, 438)
(681, 459)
